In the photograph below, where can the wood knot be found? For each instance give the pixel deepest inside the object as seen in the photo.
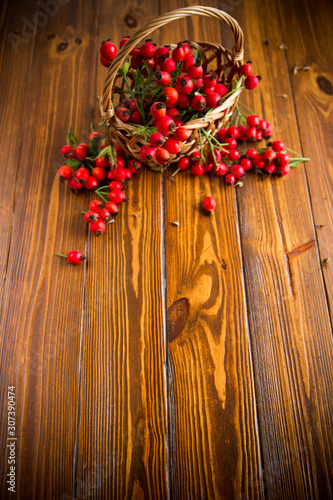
(62, 46)
(325, 85)
(130, 21)
(78, 41)
(178, 315)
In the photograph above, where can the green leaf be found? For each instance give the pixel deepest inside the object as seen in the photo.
(73, 163)
(197, 56)
(124, 69)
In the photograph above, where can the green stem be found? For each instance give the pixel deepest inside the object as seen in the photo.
(133, 97)
(211, 145)
(175, 172)
(101, 196)
(294, 152)
(201, 148)
(247, 109)
(298, 160)
(61, 255)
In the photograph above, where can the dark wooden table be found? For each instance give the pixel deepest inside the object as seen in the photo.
(231, 399)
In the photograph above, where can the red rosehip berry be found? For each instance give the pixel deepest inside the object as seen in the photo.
(108, 50)
(118, 174)
(278, 146)
(123, 114)
(179, 54)
(280, 171)
(102, 162)
(169, 65)
(115, 186)
(165, 125)
(159, 53)
(233, 132)
(162, 155)
(158, 109)
(197, 84)
(74, 256)
(183, 163)
(269, 169)
(82, 175)
(230, 179)
(252, 120)
(189, 59)
(281, 159)
(81, 151)
(251, 82)
(99, 173)
(116, 196)
(198, 102)
(268, 132)
(93, 135)
(195, 70)
(197, 169)
(74, 184)
(237, 171)
(91, 183)
(220, 169)
(67, 151)
(97, 227)
(148, 153)
(90, 216)
(245, 69)
(162, 78)
(182, 134)
(269, 155)
(195, 157)
(232, 143)
(246, 163)
(214, 100)
(156, 140)
(134, 165)
(183, 101)
(210, 79)
(112, 207)
(258, 161)
(209, 203)
(173, 113)
(95, 205)
(169, 96)
(187, 49)
(217, 154)
(184, 85)
(105, 62)
(221, 89)
(233, 155)
(105, 214)
(172, 145)
(147, 50)
(65, 173)
(251, 153)
(123, 41)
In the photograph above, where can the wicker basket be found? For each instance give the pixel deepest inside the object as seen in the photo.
(225, 62)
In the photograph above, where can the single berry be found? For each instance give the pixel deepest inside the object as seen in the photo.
(156, 140)
(133, 165)
(148, 153)
(118, 174)
(82, 175)
(172, 145)
(162, 155)
(246, 163)
(233, 155)
(108, 50)
(97, 227)
(179, 54)
(233, 132)
(269, 169)
(187, 49)
(232, 143)
(209, 203)
(214, 100)
(74, 184)
(163, 78)
(165, 125)
(198, 84)
(280, 171)
(90, 216)
(195, 71)
(65, 173)
(169, 96)
(81, 151)
(197, 169)
(278, 146)
(195, 157)
(230, 179)
(105, 62)
(251, 82)
(74, 256)
(252, 120)
(158, 109)
(217, 155)
(67, 151)
(251, 153)
(91, 183)
(245, 69)
(96, 205)
(136, 117)
(134, 104)
(210, 79)
(183, 163)
(183, 101)
(169, 65)
(102, 162)
(105, 214)
(221, 89)
(184, 85)
(198, 102)
(189, 59)
(237, 171)
(123, 114)
(159, 53)
(182, 134)
(99, 173)
(123, 41)
(116, 196)
(147, 50)
(220, 169)
(112, 207)
(115, 185)
(173, 113)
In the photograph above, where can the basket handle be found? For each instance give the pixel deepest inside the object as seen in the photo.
(106, 105)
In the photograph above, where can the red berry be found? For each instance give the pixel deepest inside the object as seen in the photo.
(179, 123)
(112, 207)
(195, 71)
(123, 41)
(210, 79)
(162, 155)
(209, 203)
(105, 62)
(179, 54)
(208, 90)
(281, 159)
(134, 104)
(118, 174)
(96, 206)
(251, 82)
(74, 184)
(169, 95)
(136, 59)
(81, 151)
(251, 134)
(108, 50)
(222, 135)
(195, 157)
(214, 100)
(220, 169)
(136, 117)
(90, 216)
(184, 85)
(197, 84)
(269, 155)
(197, 169)
(115, 185)
(230, 179)
(269, 169)
(159, 53)
(217, 154)
(198, 102)
(242, 133)
(172, 145)
(246, 69)
(123, 114)
(278, 146)
(116, 196)
(183, 163)
(165, 125)
(65, 173)
(99, 173)
(133, 165)
(104, 143)
(163, 78)
(102, 162)
(233, 155)
(262, 125)
(183, 101)
(128, 173)
(168, 65)
(97, 227)
(91, 183)
(252, 120)
(221, 89)
(187, 49)
(231, 142)
(182, 134)
(67, 151)
(258, 161)
(233, 132)
(158, 109)
(82, 175)
(246, 163)
(268, 132)
(156, 140)
(105, 214)
(237, 171)
(75, 257)
(280, 171)
(173, 113)
(147, 50)
(148, 153)
(93, 135)
(251, 153)
(189, 59)
(258, 135)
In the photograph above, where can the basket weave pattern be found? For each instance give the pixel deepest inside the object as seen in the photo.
(224, 61)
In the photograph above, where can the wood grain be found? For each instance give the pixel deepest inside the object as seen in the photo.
(290, 327)
(122, 448)
(42, 313)
(214, 442)
(310, 44)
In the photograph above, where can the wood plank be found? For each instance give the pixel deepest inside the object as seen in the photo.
(289, 323)
(42, 311)
(214, 443)
(310, 43)
(122, 448)
(15, 59)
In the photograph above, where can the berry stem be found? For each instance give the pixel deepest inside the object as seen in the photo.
(101, 196)
(133, 97)
(175, 172)
(246, 108)
(211, 145)
(299, 156)
(61, 255)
